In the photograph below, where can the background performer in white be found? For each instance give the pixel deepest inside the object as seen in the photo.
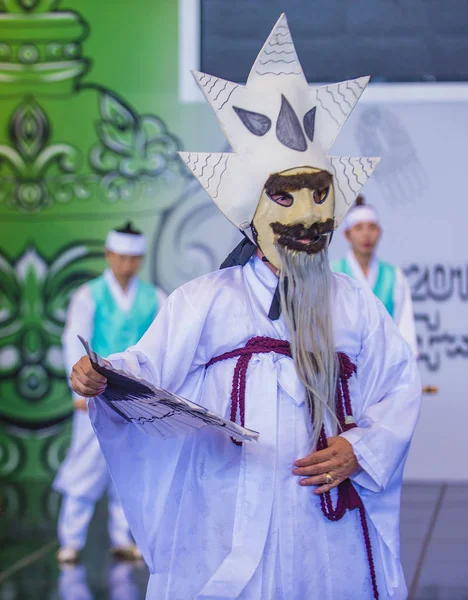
(363, 231)
(113, 311)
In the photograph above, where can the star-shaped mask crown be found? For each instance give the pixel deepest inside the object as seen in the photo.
(274, 123)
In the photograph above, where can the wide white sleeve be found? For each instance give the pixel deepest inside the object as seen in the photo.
(171, 348)
(79, 321)
(404, 314)
(390, 388)
(144, 468)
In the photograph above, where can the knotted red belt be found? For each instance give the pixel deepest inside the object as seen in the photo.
(348, 498)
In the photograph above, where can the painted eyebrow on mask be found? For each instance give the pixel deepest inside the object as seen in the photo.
(275, 184)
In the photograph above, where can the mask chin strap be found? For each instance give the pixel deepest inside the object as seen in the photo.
(275, 308)
(241, 254)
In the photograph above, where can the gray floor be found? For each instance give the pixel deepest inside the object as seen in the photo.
(434, 529)
(434, 541)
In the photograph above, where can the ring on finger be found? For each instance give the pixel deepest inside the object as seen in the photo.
(329, 479)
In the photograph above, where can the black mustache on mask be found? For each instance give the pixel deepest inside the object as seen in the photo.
(289, 236)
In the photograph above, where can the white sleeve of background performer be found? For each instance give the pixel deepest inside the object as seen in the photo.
(404, 315)
(80, 321)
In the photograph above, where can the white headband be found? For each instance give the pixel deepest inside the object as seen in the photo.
(126, 243)
(361, 214)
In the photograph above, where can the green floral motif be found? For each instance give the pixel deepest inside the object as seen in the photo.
(136, 157)
(135, 152)
(30, 156)
(34, 295)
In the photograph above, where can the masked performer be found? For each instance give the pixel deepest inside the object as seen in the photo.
(308, 358)
(113, 311)
(363, 231)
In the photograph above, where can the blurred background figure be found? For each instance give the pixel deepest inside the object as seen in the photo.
(363, 231)
(112, 312)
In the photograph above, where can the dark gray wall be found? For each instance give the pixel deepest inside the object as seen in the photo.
(392, 40)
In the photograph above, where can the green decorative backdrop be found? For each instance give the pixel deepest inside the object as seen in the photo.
(90, 126)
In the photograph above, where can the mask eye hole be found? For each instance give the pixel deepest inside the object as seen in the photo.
(320, 196)
(282, 198)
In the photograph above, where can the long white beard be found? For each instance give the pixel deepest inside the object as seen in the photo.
(306, 306)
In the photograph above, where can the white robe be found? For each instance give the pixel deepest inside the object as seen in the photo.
(215, 520)
(403, 313)
(84, 472)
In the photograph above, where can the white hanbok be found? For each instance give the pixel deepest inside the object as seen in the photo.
(215, 520)
(83, 477)
(402, 302)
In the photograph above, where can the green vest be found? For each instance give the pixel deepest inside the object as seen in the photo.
(384, 285)
(116, 329)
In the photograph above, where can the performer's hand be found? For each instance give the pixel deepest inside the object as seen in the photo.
(80, 404)
(85, 381)
(337, 461)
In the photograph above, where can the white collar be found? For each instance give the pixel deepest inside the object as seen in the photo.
(124, 298)
(358, 273)
(262, 283)
(264, 273)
